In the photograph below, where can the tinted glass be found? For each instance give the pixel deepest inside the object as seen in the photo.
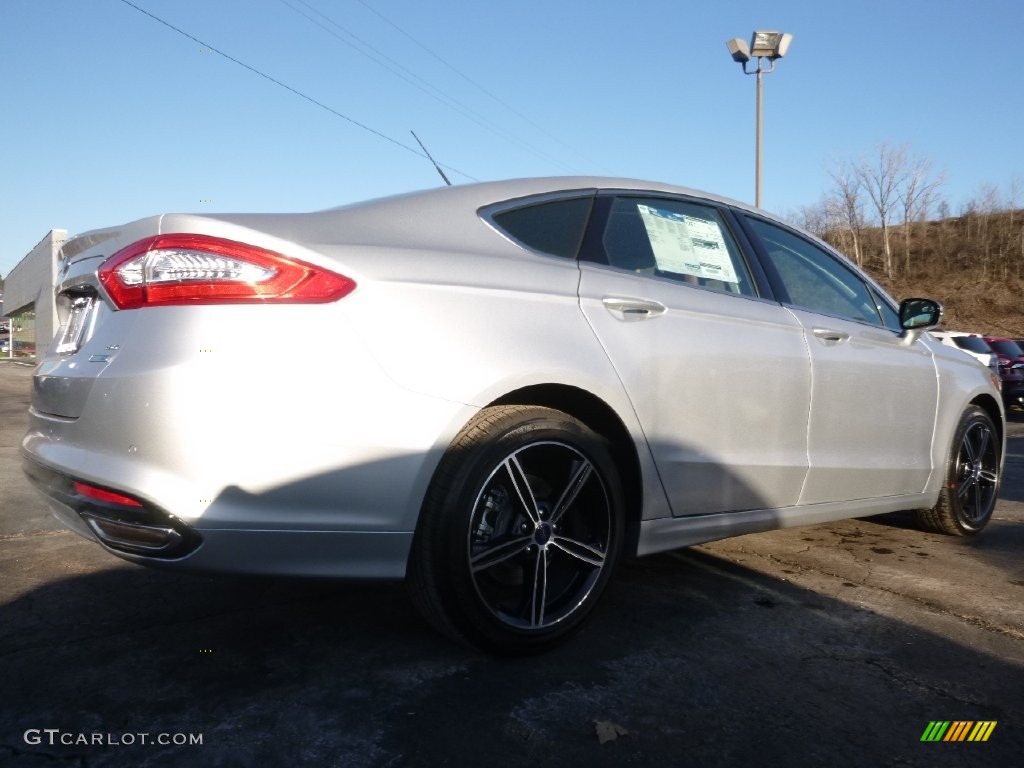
(973, 344)
(814, 279)
(675, 239)
(1008, 348)
(554, 227)
(890, 317)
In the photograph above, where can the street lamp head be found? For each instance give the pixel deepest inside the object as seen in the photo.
(783, 45)
(769, 44)
(739, 50)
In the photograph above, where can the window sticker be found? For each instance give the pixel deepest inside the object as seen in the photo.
(687, 245)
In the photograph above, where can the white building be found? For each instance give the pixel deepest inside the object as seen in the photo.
(28, 296)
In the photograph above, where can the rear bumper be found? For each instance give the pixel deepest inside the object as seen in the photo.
(149, 535)
(144, 531)
(241, 462)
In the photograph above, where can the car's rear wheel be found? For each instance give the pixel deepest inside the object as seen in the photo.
(968, 496)
(520, 530)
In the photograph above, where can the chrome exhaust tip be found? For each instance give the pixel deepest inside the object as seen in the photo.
(118, 534)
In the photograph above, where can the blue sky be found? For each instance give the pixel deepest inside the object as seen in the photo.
(108, 116)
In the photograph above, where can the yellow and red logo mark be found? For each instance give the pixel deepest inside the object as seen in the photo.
(958, 730)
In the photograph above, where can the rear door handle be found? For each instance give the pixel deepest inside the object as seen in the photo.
(630, 309)
(827, 334)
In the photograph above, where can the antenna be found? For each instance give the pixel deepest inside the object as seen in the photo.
(430, 157)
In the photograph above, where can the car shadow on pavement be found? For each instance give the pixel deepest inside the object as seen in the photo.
(690, 660)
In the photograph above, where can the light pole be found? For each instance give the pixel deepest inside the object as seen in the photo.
(764, 46)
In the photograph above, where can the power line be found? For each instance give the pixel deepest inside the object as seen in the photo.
(380, 58)
(470, 80)
(295, 91)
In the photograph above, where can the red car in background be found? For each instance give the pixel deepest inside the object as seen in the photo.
(1011, 368)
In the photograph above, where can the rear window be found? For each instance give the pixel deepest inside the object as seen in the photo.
(555, 227)
(1007, 347)
(974, 344)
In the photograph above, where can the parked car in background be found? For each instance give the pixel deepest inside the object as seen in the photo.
(1007, 348)
(971, 343)
(1010, 358)
(494, 391)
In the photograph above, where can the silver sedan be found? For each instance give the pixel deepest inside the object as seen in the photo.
(494, 391)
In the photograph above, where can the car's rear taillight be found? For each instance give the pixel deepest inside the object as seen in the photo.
(200, 269)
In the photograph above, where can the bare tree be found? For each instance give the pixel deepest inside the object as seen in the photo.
(1013, 197)
(917, 191)
(847, 205)
(881, 179)
(813, 218)
(827, 220)
(1015, 235)
(987, 204)
(943, 233)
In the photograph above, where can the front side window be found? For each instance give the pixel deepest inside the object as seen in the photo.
(814, 279)
(890, 317)
(675, 239)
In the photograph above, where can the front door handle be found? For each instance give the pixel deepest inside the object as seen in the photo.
(827, 334)
(630, 309)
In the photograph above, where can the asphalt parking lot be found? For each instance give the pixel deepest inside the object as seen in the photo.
(830, 645)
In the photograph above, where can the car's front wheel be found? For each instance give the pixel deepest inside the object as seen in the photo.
(968, 496)
(520, 530)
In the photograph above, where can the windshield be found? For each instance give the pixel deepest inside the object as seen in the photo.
(974, 344)
(1007, 348)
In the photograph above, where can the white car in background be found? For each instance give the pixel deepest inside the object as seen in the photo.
(971, 343)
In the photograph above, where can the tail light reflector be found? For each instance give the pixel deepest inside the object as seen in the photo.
(200, 269)
(101, 494)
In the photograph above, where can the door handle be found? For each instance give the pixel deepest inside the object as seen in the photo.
(630, 309)
(827, 334)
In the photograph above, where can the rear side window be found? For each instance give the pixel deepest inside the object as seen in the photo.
(676, 239)
(555, 227)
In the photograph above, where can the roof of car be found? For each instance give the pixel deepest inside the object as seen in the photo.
(483, 193)
(440, 218)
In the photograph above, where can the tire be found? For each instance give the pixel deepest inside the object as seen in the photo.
(968, 496)
(520, 531)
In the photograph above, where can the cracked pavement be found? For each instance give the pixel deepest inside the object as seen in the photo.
(833, 644)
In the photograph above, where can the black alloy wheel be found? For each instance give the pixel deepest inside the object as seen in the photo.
(520, 531)
(969, 494)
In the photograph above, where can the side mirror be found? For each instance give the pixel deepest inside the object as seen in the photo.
(917, 316)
